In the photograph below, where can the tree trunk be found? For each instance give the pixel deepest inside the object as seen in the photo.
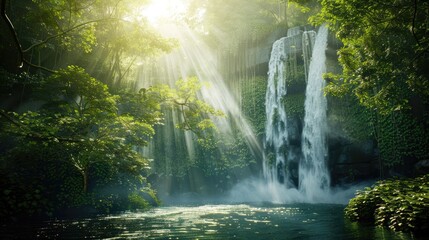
(85, 180)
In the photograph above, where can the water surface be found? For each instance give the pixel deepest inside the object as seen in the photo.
(237, 221)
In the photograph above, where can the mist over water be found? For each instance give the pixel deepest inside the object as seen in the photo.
(258, 191)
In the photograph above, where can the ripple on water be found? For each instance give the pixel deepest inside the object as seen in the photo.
(317, 221)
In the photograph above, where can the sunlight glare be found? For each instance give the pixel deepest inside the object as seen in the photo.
(164, 10)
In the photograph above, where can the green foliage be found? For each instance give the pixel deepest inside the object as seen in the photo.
(85, 140)
(84, 137)
(384, 57)
(176, 152)
(75, 94)
(227, 154)
(137, 202)
(230, 23)
(355, 120)
(56, 17)
(106, 37)
(271, 158)
(400, 205)
(217, 155)
(26, 191)
(195, 113)
(80, 140)
(18, 201)
(253, 102)
(294, 104)
(399, 136)
(362, 207)
(295, 74)
(335, 86)
(11, 83)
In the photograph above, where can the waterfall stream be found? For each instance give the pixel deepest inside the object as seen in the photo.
(313, 173)
(275, 132)
(313, 177)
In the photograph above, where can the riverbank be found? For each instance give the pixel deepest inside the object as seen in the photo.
(399, 205)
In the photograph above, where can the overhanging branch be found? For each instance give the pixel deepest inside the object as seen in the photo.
(65, 32)
(414, 23)
(18, 45)
(34, 135)
(13, 32)
(38, 66)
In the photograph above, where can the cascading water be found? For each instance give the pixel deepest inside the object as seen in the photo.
(279, 152)
(308, 38)
(280, 157)
(275, 130)
(314, 178)
(280, 160)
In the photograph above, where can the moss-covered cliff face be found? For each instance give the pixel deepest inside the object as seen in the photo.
(352, 149)
(366, 143)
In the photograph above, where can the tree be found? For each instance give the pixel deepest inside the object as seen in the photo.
(230, 23)
(84, 135)
(385, 52)
(44, 34)
(384, 56)
(195, 113)
(79, 109)
(86, 140)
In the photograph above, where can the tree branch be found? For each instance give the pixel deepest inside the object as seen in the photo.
(121, 76)
(31, 134)
(277, 17)
(13, 32)
(18, 45)
(414, 22)
(37, 66)
(65, 32)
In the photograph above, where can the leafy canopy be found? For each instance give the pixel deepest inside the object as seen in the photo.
(385, 52)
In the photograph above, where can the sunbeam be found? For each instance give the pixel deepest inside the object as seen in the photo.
(164, 10)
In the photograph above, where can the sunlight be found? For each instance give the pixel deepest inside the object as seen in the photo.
(164, 10)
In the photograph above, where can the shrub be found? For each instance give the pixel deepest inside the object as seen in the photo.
(400, 205)
(137, 202)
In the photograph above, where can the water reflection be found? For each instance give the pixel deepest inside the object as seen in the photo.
(300, 221)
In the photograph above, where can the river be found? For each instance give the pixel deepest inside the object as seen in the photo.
(235, 221)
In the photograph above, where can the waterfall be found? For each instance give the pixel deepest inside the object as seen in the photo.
(282, 66)
(313, 173)
(308, 38)
(275, 128)
(280, 131)
(280, 157)
(288, 147)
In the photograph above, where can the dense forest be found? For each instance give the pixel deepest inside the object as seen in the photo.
(93, 118)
